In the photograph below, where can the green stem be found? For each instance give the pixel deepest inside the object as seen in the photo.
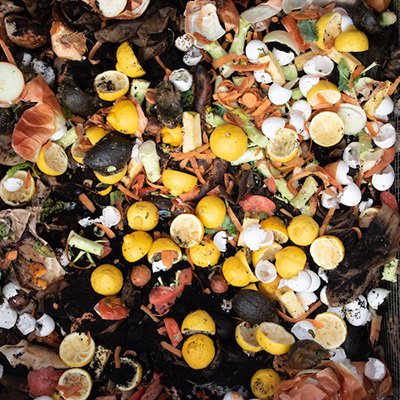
(86, 245)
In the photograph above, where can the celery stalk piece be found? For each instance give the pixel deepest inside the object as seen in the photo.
(252, 132)
(87, 245)
(217, 51)
(68, 139)
(214, 120)
(150, 160)
(310, 186)
(239, 40)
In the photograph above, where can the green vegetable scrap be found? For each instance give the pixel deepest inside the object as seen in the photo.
(344, 75)
(308, 30)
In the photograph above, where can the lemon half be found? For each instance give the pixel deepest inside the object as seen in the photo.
(187, 230)
(326, 129)
(284, 147)
(331, 330)
(327, 251)
(273, 338)
(52, 160)
(75, 377)
(110, 85)
(77, 349)
(245, 336)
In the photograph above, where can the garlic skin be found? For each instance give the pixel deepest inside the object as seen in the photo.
(44, 325)
(182, 79)
(374, 369)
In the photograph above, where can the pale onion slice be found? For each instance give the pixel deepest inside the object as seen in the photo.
(384, 180)
(302, 106)
(111, 9)
(307, 82)
(265, 271)
(386, 136)
(282, 37)
(353, 117)
(351, 195)
(279, 95)
(271, 125)
(59, 134)
(11, 83)
(319, 66)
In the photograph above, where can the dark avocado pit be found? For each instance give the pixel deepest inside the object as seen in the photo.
(110, 154)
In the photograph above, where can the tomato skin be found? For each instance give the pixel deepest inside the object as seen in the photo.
(258, 204)
(270, 184)
(389, 199)
(111, 308)
(174, 333)
(163, 297)
(43, 382)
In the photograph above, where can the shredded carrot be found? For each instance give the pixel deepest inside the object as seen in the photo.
(249, 67)
(127, 192)
(229, 57)
(249, 100)
(180, 156)
(262, 108)
(196, 170)
(357, 230)
(162, 65)
(69, 391)
(314, 307)
(371, 129)
(234, 219)
(7, 52)
(304, 174)
(191, 195)
(291, 27)
(313, 205)
(168, 257)
(171, 349)
(117, 358)
(376, 325)
(8, 259)
(110, 234)
(130, 353)
(387, 158)
(326, 221)
(356, 73)
(302, 15)
(393, 86)
(86, 202)
(348, 99)
(149, 313)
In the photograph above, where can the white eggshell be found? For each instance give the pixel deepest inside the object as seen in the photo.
(283, 57)
(376, 297)
(262, 76)
(322, 296)
(386, 107)
(300, 283)
(9, 290)
(351, 195)
(44, 325)
(254, 237)
(192, 57)
(374, 369)
(182, 79)
(338, 355)
(306, 299)
(328, 201)
(302, 330)
(319, 66)
(184, 42)
(323, 275)
(59, 134)
(358, 317)
(296, 119)
(111, 9)
(353, 117)
(386, 136)
(375, 128)
(384, 180)
(351, 155)
(341, 11)
(44, 398)
(271, 125)
(255, 49)
(341, 173)
(265, 271)
(220, 240)
(336, 310)
(13, 184)
(8, 316)
(302, 106)
(278, 94)
(110, 216)
(306, 82)
(359, 302)
(315, 281)
(26, 323)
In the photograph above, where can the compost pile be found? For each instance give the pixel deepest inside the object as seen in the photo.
(195, 199)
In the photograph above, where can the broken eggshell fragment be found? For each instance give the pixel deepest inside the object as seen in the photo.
(319, 66)
(8, 316)
(386, 136)
(44, 325)
(376, 297)
(384, 180)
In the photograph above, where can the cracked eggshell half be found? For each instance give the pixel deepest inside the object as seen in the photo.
(306, 82)
(271, 125)
(376, 297)
(8, 316)
(306, 299)
(385, 108)
(296, 119)
(26, 323)
(353, 117)
(182, 79)
(254, 50)
(386, 137)
(10, 289)
(319, 66)
(302, 330)
(339, 170)
(262, 76)
(351, 155)
(304, 107)
(184, 42)
(384, 180)
(111, 9)
(283, 57)
(44, 326)
(265, 271)
(278, 94)
(300, 283)
(351, 195)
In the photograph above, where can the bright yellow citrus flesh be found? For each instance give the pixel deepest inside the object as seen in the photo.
(107, 280)
(77, 349)
(331, 330)
(273, 338)
(228, 142)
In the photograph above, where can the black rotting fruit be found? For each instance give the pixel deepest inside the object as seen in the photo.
(252, 306)
(110, 154)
